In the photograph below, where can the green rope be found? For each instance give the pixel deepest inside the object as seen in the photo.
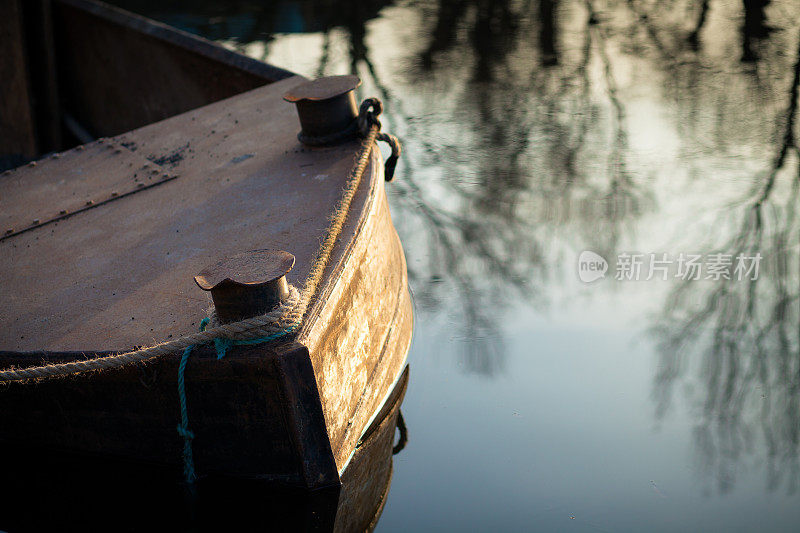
(221, 345)
(183, 427)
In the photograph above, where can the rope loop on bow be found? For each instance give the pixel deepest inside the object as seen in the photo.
(368, 114)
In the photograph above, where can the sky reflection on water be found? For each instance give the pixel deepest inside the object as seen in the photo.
(534, 131)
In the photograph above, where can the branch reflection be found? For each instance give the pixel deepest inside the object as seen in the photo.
(749, 330)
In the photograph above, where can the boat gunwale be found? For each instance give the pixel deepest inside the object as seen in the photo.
(334, 271)
(182, 39)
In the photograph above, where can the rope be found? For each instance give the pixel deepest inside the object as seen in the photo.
(276, 321)
(183, 428)
(283, 320)
(401, 426)
(391, 161)
(334, 138)
(366, 120)
(367, 117)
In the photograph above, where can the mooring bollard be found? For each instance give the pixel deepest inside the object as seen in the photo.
(247, 284)
(327, 109)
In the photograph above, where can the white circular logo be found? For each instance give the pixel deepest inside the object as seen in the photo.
(591, 266)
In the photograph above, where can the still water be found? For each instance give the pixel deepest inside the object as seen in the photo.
(534, 131)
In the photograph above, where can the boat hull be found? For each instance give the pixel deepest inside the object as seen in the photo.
(50, 492)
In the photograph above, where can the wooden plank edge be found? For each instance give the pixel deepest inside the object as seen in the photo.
(179, 38)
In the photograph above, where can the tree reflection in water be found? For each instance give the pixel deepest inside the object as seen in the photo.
(532, 143)
(521, 144)
(750, 330)
(532, 157)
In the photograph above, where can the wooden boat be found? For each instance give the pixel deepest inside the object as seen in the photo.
(196, 161)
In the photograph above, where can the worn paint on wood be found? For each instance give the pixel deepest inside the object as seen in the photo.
(372, 313)
(64, 185)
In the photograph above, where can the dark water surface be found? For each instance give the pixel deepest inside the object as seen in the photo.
(534, 131)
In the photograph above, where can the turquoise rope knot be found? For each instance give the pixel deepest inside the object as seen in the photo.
(221, 345)
(185, 432)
